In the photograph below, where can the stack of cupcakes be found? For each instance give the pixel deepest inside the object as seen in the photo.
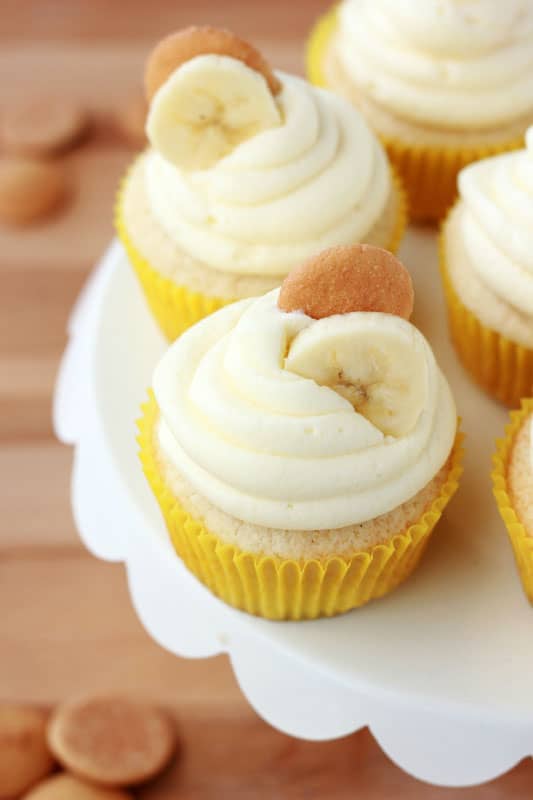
(302, 442)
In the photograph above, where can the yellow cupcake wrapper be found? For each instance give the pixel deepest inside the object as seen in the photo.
(521, 542)
(278, 588)
(175, 307)
(317, 45)
(402, 212)
(502, 367)
(429, 172)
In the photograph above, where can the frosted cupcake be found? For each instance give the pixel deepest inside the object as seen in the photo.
(513, 489)
(443, 82)
(249, 172)
(487, 268)
(302, 445)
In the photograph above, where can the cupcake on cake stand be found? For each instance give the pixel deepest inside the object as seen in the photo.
(440, 670)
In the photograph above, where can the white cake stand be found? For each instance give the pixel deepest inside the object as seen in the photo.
(440, 670)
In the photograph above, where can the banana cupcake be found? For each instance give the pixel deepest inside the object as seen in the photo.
(248, 173)
(443, 82)
(513, 489)
(302, 445)
(487, 269)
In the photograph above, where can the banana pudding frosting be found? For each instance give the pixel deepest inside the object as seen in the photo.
(249, 172)
(489, 242)
(287, 421)
(250, 183)
(458, 65)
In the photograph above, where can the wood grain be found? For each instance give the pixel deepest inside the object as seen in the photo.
(70, 628)
(66, 622)
(276, 21)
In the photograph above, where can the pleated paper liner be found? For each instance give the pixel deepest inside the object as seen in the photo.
(502, 367)
(317, 46)
(402, 213)
(429, 173)
(277, 588)
(175, 307)
(521, 542)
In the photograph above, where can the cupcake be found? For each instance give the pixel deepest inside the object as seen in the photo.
(487, 269)
(249, 172)
(303, 444)
(442, 82)
(513, 489)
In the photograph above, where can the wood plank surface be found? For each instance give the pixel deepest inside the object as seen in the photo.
(66, 621)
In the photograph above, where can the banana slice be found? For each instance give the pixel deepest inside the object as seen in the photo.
(378, 362)
(207, 107)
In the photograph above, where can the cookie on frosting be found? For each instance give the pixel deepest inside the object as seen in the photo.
(342, 279)
(182, 46)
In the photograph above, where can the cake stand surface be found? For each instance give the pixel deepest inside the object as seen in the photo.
(440, 670)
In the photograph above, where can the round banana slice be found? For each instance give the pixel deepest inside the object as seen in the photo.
(376, 361)
(207, 107)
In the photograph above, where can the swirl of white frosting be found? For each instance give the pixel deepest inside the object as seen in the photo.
(448, 63)
(317, 180)
(497, 223)
(279, 450)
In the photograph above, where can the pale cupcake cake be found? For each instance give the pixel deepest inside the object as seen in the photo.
(513, 489)
(248, 173)
(487, 268)
(443, 82)
(303, 444)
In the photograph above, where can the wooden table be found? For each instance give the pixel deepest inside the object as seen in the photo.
(66, 622)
